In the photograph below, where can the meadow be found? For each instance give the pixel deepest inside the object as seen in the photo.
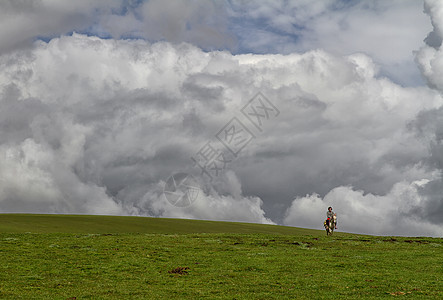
(103, 257)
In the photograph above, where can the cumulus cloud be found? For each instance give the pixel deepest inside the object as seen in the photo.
(409, 207)
(339, 27)
(428, 124)
(79, 96)
(210, 204)
(430, 56)
(93, 125)
(99, 125)
(380, 29)
(367, 213)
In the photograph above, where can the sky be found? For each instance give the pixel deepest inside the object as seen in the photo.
(301, 105)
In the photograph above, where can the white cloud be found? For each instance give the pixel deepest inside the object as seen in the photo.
(102, 123)
(366, 213)
(380, 29)
(209, 205)
(34, 179)
(430, 56)
(339, 27)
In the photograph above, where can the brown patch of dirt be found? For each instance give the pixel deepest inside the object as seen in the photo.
(179, 270)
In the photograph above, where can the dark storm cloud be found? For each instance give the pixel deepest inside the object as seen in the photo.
(429, 123)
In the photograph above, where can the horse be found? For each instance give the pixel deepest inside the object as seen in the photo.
(331, 227)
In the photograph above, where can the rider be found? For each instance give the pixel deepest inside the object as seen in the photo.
(329, 215)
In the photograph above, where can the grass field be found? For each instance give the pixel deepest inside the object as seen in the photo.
(97, 257)
(20, 223)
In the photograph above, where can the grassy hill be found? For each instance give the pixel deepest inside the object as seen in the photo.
(112, 224)
(98, 257)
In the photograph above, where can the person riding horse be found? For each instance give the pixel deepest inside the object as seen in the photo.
(329, 216)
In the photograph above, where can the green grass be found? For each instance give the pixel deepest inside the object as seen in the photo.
(220, 260)
(21, 223)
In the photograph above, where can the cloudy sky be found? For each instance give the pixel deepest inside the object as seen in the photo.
(102, 101)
